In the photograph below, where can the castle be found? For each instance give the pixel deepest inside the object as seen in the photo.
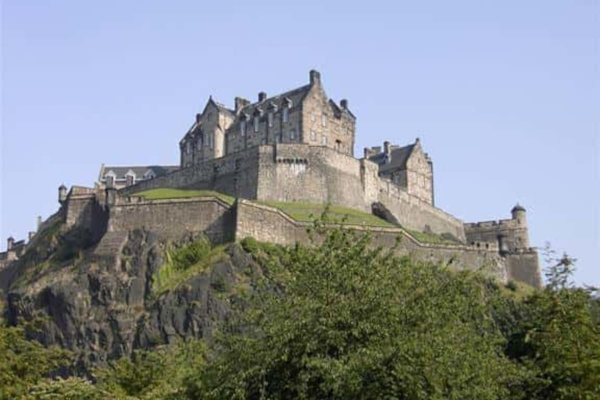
(295, 147)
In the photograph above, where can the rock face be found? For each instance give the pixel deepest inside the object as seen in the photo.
(102, 304)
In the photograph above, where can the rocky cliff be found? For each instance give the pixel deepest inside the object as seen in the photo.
(104, 300)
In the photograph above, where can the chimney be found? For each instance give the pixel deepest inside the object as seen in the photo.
(240, 103)
(315, 77)
(367, 152)
(344, 104)
(387, 148)
(198, 116)
(262, 96)
(39, 222)
(30, 235)
(9, 243)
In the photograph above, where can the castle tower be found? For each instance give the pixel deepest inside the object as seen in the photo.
(521, 235)
(10, 243)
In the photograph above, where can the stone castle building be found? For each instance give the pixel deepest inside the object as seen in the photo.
(297, 146)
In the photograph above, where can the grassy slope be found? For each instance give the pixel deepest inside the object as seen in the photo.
(309, 211)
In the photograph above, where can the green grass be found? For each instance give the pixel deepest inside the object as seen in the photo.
(310, 212)
(431, 238)
(184, 262)
(167, 193)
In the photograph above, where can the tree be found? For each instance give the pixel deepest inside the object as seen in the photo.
(342, 319)
(559, 337)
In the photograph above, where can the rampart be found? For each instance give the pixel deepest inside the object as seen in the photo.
(311, 174)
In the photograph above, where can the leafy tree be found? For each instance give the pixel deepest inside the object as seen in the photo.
(155, 374)
(559, 338)
(24, 363)
(341, 320)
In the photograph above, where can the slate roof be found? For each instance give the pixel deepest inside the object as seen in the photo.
(296, 96)
(139, 171)
(400, 156)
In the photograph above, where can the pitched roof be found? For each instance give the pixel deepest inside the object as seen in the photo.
(295, 95)
(139, 171)
(399, 157)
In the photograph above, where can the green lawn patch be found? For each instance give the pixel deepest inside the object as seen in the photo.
(167, 193)
(184, 262)
(309, 212)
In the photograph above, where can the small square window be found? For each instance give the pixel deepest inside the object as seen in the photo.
(313, 136)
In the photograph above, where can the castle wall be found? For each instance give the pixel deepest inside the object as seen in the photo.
(174, 217)
(268, 224)
(79, 207)
(234, 174)
(524, 267)
(417, 214)
(312, 174)
(512, 232)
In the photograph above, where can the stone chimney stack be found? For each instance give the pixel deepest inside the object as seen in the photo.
(39, 223)
(198, 117)
(344, 104)
(262, 96)
(10, 243)
(240, 103)
(62, 194)
(30, 235)
(315, 77)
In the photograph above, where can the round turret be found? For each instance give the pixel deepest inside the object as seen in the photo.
(62, 194)
(519, 213)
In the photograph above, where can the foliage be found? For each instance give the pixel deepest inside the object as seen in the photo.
(66, 389)
(309, 211)
(166, 193)
(185, 262)
(160, 374)
(23, 363)
(559, 338)
(343, 320)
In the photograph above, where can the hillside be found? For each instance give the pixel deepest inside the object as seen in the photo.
(339, 319)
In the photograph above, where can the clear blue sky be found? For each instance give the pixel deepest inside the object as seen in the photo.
(503, 94)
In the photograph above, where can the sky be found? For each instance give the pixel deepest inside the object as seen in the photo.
(504, 95)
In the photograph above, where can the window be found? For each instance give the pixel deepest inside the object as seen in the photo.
(199, 143)
(313, 136)
(256, 122)
(293, 134)
(270, 118)
(188, 148)
(243, 127)
(324, 140)
(338, 145)
(286, 114)
(324, 120)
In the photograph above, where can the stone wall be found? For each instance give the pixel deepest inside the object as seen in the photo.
(505, 233)
(174, 217)
(312, 174)
(234, 174)
(268, 224)
(417, 214)
(523, 266)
